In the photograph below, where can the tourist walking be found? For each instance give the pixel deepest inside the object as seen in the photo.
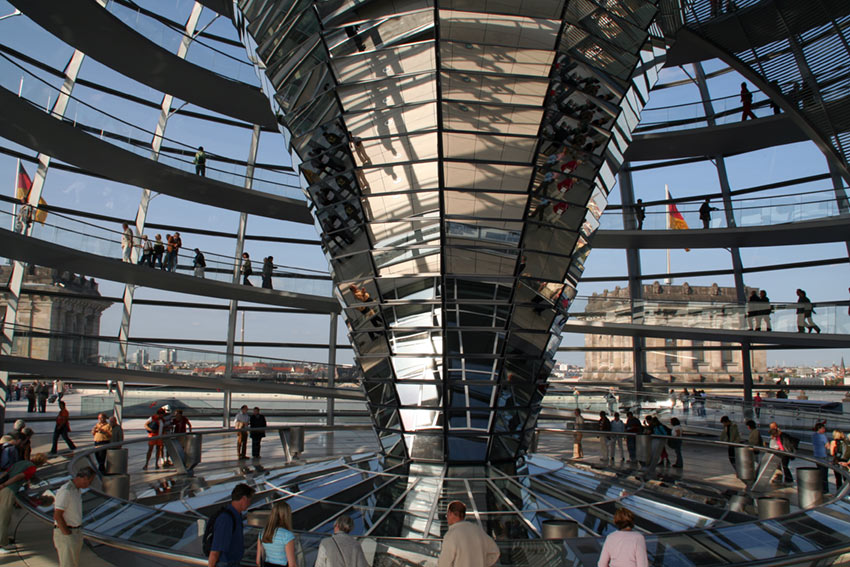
(154, 427)
(268, 270)
(465, 543)
(341, 550)
(241, 423)
(200, 162)
(820, 452)
(102, 433)
(805, 310)
(763, 319)
(276, 544)
(705, 213)
(257, 420)
(625, 547)
(747, 102)
(246, 269)
(840, 452)
(604, 438)
(781, 441)
(617, 426)
(68, 518)
(757, 403)
(225, 530)
(578, 452)
(62, 429)
(729, 434)
(199, 263)
(126, 242)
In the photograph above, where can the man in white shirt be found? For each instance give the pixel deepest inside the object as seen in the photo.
(466, 544)
(242, 422)
(126, 242)
(68, 518)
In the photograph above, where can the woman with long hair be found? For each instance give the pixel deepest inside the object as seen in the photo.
(277, 541)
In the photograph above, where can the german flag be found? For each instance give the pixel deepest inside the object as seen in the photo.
(23, 186)
(675, 220)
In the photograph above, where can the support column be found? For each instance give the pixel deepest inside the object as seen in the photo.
(840, 195)
(16, 279)
(142, 214)
(233, 312)
(332, 366)
(627, 196)
(225, 412)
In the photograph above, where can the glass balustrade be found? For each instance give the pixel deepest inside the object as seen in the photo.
(137, 140)
(727, 110)
(219, 57)
(763, 211)
(87, 237)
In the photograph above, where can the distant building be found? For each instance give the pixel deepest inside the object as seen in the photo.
(58, 316)
(168, 356)
(676, 306)
(141, 358)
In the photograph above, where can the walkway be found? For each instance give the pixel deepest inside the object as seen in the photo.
(94, 31)
(25, 124)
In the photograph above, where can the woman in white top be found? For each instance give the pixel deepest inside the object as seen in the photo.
(624, 548)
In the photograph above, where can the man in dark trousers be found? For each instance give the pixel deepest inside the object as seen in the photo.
(228, 541)
(256, 420)
(747, 102)
(705, 213)
(640, 213)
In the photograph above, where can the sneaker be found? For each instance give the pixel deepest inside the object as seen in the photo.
(5, 550)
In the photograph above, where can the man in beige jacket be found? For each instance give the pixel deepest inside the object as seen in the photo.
(466, 544)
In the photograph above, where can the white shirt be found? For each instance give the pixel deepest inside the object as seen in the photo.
(70, 500)
(623, 549)
(242, 418)
(466, 545)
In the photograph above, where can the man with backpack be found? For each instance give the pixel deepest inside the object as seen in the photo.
(223, 542)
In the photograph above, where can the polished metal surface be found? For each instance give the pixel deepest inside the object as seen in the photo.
(809, 486)
(116, 461)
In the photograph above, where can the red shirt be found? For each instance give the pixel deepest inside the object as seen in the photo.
(180, 424)
(62, 418)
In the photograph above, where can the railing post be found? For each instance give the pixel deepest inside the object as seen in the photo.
(331, 368)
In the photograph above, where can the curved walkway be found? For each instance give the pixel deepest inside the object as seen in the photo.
(29, 126)
(705, 334)
(831, 229)
(33, 250)
(94, 31)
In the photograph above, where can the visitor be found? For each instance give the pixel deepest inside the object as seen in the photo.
(146, 247)
(763, 320)
(465, 543)
(102, 433)
(154, 426)
(25, 445)
(640, 213)
(659, 430)
(42, 393)
(781, 441)
(200, 162)
(177, 243)
(676, 442)
(840, 452)
(757, 403)
(685, 398)
(341, 550)
(241, 423)
(578, 452)
(276, 544)
(604, 438)
(158, 251)
(617, 426)
(633, 428)
(268, 270)
(705, 213)
(246, 269)
(754, 438)
(257, 420)
(753, 310)
(169, 250)
(625, 547)
(30, 395)
(805, 310)
(126, 242)
(117, 430)
(19, 474)
(9, 454)
(62, 429)
(730, 434)
(820, 446)
(228, 536)
(199, 264)
(68, 518)
(25, 217)
(747, 102)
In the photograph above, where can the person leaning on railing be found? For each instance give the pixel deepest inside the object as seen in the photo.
(18, 474)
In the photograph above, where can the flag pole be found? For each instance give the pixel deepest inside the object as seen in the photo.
(668, 280)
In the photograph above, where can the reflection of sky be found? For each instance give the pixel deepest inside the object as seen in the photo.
(115, 199)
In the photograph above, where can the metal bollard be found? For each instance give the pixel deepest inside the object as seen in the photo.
(116, 461)
(773, 507)
(740, 503)
(809, 487)
(745, 463)
(192, 447)
(296, 440)
(559, 529)
(117, 485)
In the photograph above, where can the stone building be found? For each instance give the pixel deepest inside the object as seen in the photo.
(54, 312)
(675, 306)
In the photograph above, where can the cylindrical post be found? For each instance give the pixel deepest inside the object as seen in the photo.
(745, 463)
(117, 485)
(116, 461)
(773, 507)
(559, 529)
(809, 487)
(192, 446)
(740, 503)
(296, 440)
(225, 414)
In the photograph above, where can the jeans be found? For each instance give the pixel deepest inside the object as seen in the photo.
(157, 259)
(61, 430)
(166, 261)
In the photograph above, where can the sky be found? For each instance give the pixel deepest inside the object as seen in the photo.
(115, 199)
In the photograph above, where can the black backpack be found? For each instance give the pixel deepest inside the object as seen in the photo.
(209, 529)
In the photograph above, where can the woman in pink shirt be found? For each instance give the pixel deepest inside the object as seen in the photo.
(624, 548)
